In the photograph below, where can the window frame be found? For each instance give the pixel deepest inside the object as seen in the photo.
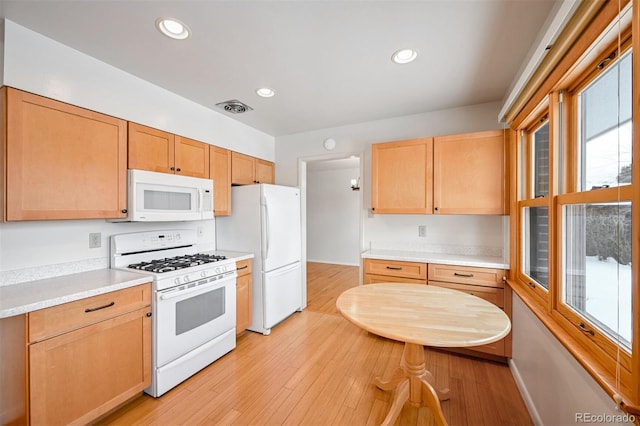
(616, 370)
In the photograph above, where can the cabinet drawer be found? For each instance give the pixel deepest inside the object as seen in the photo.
(490, 294)
(375, 279)
(394, 268)
(243, 267)
(56, 320)
(488, 277)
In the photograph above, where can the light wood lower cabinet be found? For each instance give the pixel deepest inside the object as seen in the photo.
(84, 358)
(380, 271)
(243, 295)
(486, 283)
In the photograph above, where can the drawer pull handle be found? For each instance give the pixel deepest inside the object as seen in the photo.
(241, 268)
(457, 274)
(398, 268)
(99, 307)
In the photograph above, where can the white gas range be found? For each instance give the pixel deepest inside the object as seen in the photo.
(193, 302)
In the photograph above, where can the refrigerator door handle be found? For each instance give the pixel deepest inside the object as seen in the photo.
(266, 208)
(266, 227)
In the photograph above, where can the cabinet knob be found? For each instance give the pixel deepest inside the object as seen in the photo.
(172, 168)
(435, 208)
(124, 211)
(149, 314)
(178, 169)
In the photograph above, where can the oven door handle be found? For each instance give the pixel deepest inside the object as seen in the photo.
(179, 293)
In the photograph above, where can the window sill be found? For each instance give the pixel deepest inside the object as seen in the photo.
(578, 347)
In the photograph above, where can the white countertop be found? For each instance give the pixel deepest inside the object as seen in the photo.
(442, 258)
(21, 298)
(236, 255)
(16, 299)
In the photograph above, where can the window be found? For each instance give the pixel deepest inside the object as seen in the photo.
(534, 204)
(574, 212)
(595, 266)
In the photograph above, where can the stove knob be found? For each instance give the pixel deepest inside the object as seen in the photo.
(186, 278)
(176, 281)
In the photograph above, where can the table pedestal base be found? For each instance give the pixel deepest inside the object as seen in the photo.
(413, 382)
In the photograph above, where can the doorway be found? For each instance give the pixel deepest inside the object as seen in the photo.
(331, 198)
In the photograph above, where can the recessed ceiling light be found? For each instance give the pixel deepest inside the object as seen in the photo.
(265, 92)
(404, 56)
(172, 28)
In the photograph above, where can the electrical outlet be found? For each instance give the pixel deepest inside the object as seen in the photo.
(95, 239)
(422, 230)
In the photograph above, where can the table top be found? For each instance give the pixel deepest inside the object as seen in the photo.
(424, 314)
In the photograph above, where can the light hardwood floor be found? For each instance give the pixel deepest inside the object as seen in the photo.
(317, 369)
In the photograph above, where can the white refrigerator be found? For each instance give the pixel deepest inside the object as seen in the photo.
(265, 221)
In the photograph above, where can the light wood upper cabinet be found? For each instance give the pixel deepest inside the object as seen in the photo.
(62, 162)
(247, 170)
(469, 173)
(242, 169)
(158, 151)
(192, 157)
(401, 176)
(150, 149)
(220, 172)
(265, 171)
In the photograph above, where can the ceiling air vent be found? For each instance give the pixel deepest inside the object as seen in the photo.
(234, 106)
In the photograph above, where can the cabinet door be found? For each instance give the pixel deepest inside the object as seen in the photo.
(63, 162)
(151, 149)
(242, 169)
(265, 171)
(469, 173)
(192, 157)
(220, 172)
(78, 376)
(243, 303)
(402, 176)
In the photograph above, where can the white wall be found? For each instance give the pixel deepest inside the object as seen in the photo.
(333, 217)
(399, 231)
(32, 62)
(553, 383)
(43, 66)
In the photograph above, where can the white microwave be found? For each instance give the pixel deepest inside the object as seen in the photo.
(162, 197)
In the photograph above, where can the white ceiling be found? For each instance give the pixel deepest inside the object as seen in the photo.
(328, 61)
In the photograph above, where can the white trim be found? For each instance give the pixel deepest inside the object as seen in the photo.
(522, 387)
(328, 262)
(552, 28)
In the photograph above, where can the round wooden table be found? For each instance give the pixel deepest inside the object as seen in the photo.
(421, 315)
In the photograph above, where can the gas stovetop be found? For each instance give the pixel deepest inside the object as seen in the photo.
(175, 263)
(170, 257)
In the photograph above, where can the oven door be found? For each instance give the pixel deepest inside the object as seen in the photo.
(193, 314)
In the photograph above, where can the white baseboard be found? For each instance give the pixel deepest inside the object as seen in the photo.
(535, 417)
(333, 263)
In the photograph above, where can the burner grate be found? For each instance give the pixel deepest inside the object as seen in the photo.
(169, 264)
